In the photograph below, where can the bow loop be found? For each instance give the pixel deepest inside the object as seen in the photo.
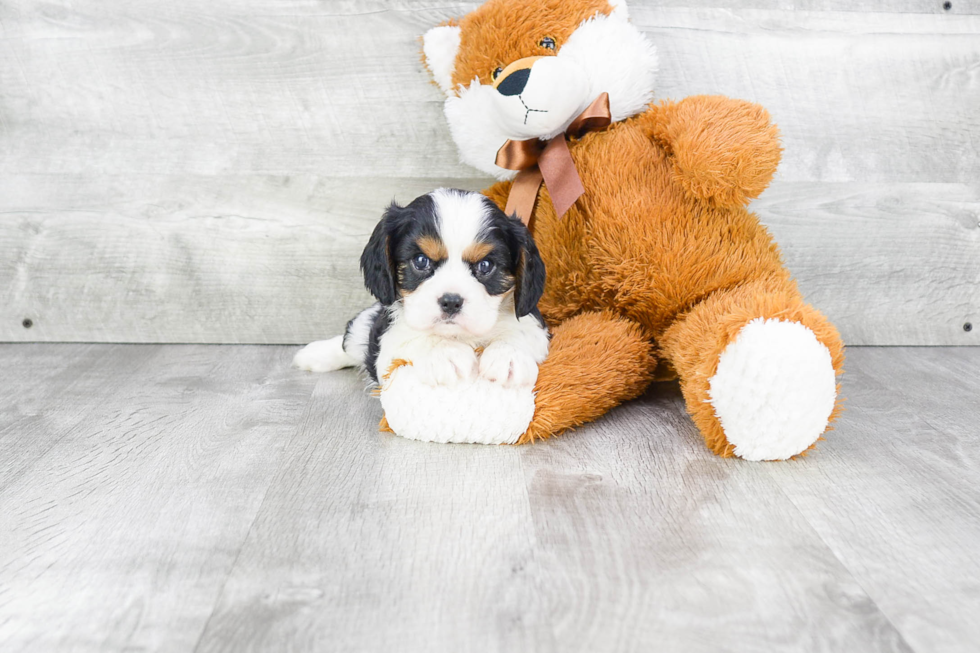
(518, 155)
(551, 162)
(595, 117)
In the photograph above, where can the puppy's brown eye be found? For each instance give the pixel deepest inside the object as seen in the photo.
(421, 262)
(485, 266)
(496, 73)
(548, 42)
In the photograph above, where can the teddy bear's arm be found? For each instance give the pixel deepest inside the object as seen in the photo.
(724, 151)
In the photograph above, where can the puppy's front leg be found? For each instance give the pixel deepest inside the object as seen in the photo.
(513, 356)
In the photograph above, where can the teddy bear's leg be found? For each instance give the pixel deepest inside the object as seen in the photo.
(596, 361)
(758, 368)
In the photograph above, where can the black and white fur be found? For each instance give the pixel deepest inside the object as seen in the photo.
(437, 308)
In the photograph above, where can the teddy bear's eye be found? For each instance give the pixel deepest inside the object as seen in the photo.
(496, 73)
(548, 42)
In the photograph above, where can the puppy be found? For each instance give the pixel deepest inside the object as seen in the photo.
(457, 283)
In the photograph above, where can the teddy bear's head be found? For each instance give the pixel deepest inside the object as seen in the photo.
(518, 70)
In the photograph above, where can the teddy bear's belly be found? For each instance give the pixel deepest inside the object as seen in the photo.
(645, 248)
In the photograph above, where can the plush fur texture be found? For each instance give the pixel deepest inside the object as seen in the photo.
(574, 387)
(695, 343)
(472, 411)
(660, 259)
(773, 364)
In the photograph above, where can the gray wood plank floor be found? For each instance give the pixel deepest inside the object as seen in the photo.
(210, 498)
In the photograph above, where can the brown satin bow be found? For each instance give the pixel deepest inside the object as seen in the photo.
(551, 162)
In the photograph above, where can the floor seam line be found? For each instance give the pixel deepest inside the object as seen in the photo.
(255, 519)
(844, 566)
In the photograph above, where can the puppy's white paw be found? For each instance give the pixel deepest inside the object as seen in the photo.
(323, 356)
(508, 365)
(447, 364)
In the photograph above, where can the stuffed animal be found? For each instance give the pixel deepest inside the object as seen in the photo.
(475, 410)
(652, 256)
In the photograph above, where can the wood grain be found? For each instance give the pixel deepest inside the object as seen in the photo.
(48, 391)
(875, 6)
(274, 259)
(649, 542)
(859, 97)
(240, 259)
(893, 490)
(187, 172)
(120, 536)
(890, 265)
(399, 545)
(142, 87)
(211, 498)
(593, 555)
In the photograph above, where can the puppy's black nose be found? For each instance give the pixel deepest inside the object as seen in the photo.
(451, 304)
(514, 83)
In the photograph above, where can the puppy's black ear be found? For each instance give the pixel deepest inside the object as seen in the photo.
(377, 261)
(528, 265)
(530, 274)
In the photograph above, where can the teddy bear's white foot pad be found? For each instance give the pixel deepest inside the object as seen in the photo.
(323, 356)
(774, 390)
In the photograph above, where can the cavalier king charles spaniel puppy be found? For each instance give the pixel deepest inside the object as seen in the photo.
(457, 283)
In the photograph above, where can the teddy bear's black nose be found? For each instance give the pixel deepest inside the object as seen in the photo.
(514, 83)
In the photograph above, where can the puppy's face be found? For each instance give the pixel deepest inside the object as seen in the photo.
(455, 261)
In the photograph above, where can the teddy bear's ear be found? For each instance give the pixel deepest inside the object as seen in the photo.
(619, 8)
(439, 45)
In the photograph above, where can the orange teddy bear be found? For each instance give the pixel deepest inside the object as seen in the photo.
(651, 254)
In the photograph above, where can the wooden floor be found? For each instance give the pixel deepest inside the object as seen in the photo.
(210, 498)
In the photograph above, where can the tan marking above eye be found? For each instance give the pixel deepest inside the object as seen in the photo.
(432, 247)
(476, 252)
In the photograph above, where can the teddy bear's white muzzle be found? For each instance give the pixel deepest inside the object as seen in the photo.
(540, 101)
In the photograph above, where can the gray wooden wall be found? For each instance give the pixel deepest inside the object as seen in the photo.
(207, 171)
